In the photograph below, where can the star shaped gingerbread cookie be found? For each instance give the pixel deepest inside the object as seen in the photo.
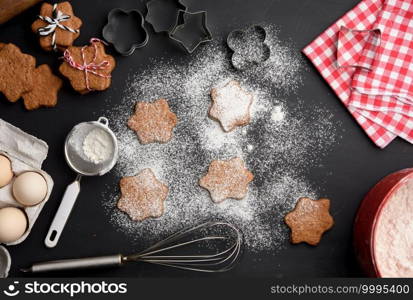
(88, 68)
(231, 105)
(57, 26)
(309, 220)
(227, 179)
(153, 122)
(16, 72)
(142, 196)
(45, 89)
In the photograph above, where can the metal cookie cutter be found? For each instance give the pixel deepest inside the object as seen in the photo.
(193, 31)
(125, 30)
(161, 14)
(248, 46)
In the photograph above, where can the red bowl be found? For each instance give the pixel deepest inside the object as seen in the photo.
(367, 216)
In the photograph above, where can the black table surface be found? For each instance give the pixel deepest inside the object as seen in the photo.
(355, 164)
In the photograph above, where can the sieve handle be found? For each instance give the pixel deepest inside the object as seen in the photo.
(63, 213)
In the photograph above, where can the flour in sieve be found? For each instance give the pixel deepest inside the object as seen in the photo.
(97, 146)
(279, 153)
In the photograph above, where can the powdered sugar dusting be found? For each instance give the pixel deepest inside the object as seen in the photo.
(227, 179)
(277, 114)
(277, 150)
(231, 105)
(142, 195)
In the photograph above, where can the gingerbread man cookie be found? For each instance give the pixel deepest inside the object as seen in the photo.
(45, 89)
(227, 179)
(16, 72)
(57, 26)
(88, 68)
(142, 196)
(309, 220)
(153, 122)
(231, 105)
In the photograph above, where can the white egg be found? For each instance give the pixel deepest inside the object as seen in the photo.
(29, 188)
(6, 173)
(13, 224)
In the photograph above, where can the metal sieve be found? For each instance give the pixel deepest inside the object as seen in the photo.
(79, 163)
(5, 262)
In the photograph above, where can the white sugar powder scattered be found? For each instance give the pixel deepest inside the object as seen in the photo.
(277, 114)
(232, 105)
(278, 152)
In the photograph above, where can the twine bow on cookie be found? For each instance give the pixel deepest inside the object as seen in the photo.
(54, 22)
(91, 67)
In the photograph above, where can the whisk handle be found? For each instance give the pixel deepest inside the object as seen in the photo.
(76, 264)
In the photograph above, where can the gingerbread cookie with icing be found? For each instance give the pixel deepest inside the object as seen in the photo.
(16, 72)
(142, 196)
(153, 121)
(309, 220)
(88, 68)
(57, 26)
(227, 179)
(231, 105)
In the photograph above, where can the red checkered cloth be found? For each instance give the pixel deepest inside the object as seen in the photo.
(386, 89)
(357, 48)
(323, 53)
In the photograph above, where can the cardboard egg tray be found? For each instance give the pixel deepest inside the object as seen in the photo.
(26, 153)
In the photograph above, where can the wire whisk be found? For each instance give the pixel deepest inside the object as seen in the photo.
(218, 246)
(220, 261)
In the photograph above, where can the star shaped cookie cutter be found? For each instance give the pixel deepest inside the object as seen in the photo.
(158, 14)
(187, 34)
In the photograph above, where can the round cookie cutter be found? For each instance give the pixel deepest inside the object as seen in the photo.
(79, 163)
(129, 22)
(5, 262)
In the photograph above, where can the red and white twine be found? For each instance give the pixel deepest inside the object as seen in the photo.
(88, 67)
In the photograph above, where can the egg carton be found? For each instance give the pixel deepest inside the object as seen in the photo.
(26, 153)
